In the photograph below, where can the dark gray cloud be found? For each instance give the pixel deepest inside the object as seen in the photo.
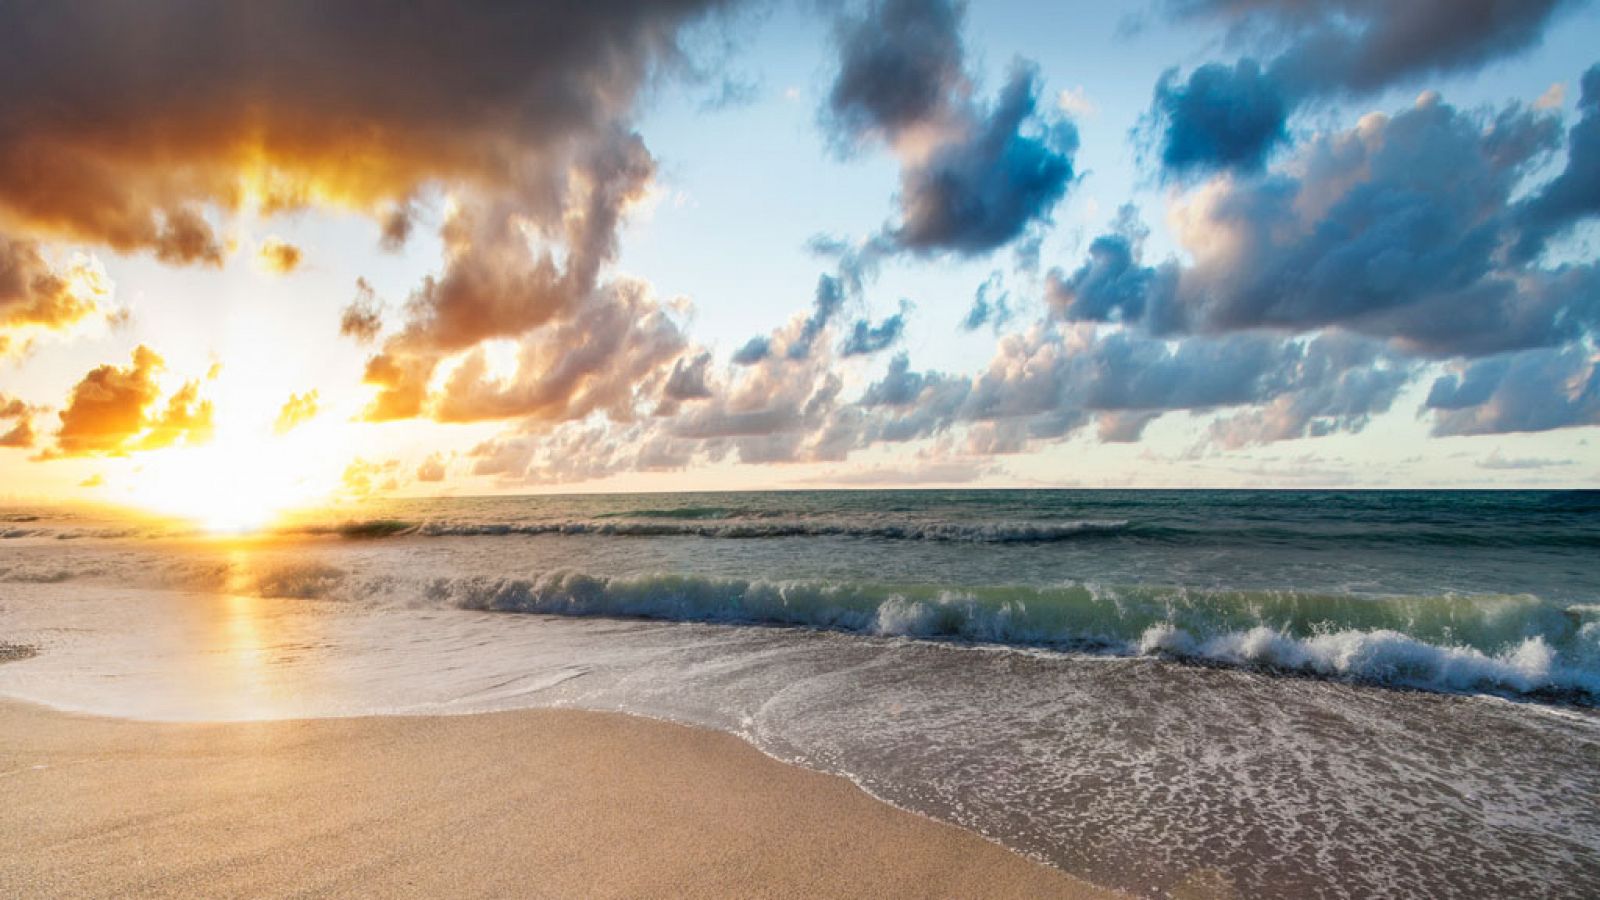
(1362, 46)
(1232, 117)
(1535, 390)
(1397, 229)
(973, 177)
(1113, 284)
(1220, 117)
(127, 123)
(1574, 194)
(899, 67)
(978, 192)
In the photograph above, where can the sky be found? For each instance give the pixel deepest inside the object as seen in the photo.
(253, 258)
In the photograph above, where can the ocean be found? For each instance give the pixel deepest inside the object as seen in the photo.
(1274, 693)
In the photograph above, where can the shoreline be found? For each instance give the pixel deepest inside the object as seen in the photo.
(533, 802)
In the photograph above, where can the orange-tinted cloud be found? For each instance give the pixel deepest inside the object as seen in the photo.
(432, 468)
(363, 318)
(278, 256)
(16, 423)
(143, 127)
(497, 284)
(364, 477)
(114, 411)
(297, 410)
(35, 295)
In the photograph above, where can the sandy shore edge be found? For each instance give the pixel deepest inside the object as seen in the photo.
(541, 803)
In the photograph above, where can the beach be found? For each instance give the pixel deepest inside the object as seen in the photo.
(533, 803)
(874, 693)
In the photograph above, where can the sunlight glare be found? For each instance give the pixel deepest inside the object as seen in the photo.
(247, 477)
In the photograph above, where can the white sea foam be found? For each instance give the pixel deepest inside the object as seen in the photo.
(1387, 656)
(1081, 618)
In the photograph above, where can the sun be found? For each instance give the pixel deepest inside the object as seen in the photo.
(248, 476)
(230, 486)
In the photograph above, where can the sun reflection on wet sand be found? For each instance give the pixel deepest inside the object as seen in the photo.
(248, 645)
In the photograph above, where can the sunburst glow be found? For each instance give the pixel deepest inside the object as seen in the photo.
(247, 477)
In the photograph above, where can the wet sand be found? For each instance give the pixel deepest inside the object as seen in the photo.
(533, 803)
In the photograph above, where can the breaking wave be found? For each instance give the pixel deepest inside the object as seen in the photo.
(1508, 644)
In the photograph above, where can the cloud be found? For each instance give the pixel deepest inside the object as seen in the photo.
(973, 177)
(296, 411)
(364, 477)
(144, 129)
(1396, 229)
(577, 451)
(278, 256)
(752, 352)
(363, 318)
(980, 191)
(141, 119)
(798, 343)
(1075, 102)
(1535, 390)
(1360, 46)
(899, 66)
(1573, 195)
(1221, 117)
(1049, 382)
(866, 338)
(1068, 374)
(774, 404)
(1554, 97)
(922, 473)
(113, 411)
(688, 381)
(38, 297)
(991, 305)
(1112, 284)
(614, 355)
(16, 422)
(432, 469)
(1231, 117)
(1339, 384)
(497, 283)
(395, 226)
(1500, 462)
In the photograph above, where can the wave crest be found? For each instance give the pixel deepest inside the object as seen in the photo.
(1506, 644)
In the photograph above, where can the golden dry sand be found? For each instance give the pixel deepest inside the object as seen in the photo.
(534, 803)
